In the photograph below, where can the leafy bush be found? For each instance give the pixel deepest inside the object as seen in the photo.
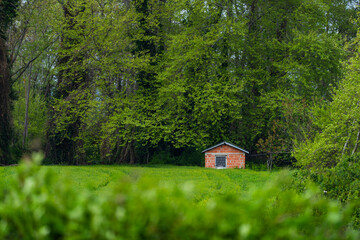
(186, 157)
(341, 182)
(35, 205)
(256, 166)
(260, 166)
(162, 157)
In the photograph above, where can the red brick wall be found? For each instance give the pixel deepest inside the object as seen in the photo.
(234, 157)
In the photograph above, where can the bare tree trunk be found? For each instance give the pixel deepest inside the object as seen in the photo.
(26, 121)
(345, 145)
(356, 143)
(269, 162)
(124, 153)
(132, 153)
(147, 155)
(5, 117)
(347, 141)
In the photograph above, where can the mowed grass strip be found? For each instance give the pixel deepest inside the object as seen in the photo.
(207, 183)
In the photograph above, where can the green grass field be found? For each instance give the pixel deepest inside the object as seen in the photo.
(207, 183)
(141, 202)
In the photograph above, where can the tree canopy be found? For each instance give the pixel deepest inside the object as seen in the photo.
(118, 81)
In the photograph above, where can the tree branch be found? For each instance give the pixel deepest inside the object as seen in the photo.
(23, 69)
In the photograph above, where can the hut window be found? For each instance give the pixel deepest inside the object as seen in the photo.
(220, 161)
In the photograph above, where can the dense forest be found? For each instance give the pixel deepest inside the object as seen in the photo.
(120, 81)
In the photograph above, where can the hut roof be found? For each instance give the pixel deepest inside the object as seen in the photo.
(225, 143)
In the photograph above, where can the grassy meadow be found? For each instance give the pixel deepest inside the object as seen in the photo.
(163, 202)
(207, 183)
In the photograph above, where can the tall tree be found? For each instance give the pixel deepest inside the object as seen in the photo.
(337, 122)
(7, 14)
(31, 41)
(72, 86)
(130, 119)
(287, 55)
(198, 95)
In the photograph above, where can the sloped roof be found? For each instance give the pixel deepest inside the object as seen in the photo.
(226, 143)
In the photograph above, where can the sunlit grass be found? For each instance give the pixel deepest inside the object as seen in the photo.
(207, 183)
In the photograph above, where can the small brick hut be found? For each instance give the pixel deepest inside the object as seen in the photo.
(225, 155)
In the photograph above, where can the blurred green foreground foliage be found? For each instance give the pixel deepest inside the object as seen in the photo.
(34, 204)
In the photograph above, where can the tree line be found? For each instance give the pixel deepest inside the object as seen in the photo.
(119, 81)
